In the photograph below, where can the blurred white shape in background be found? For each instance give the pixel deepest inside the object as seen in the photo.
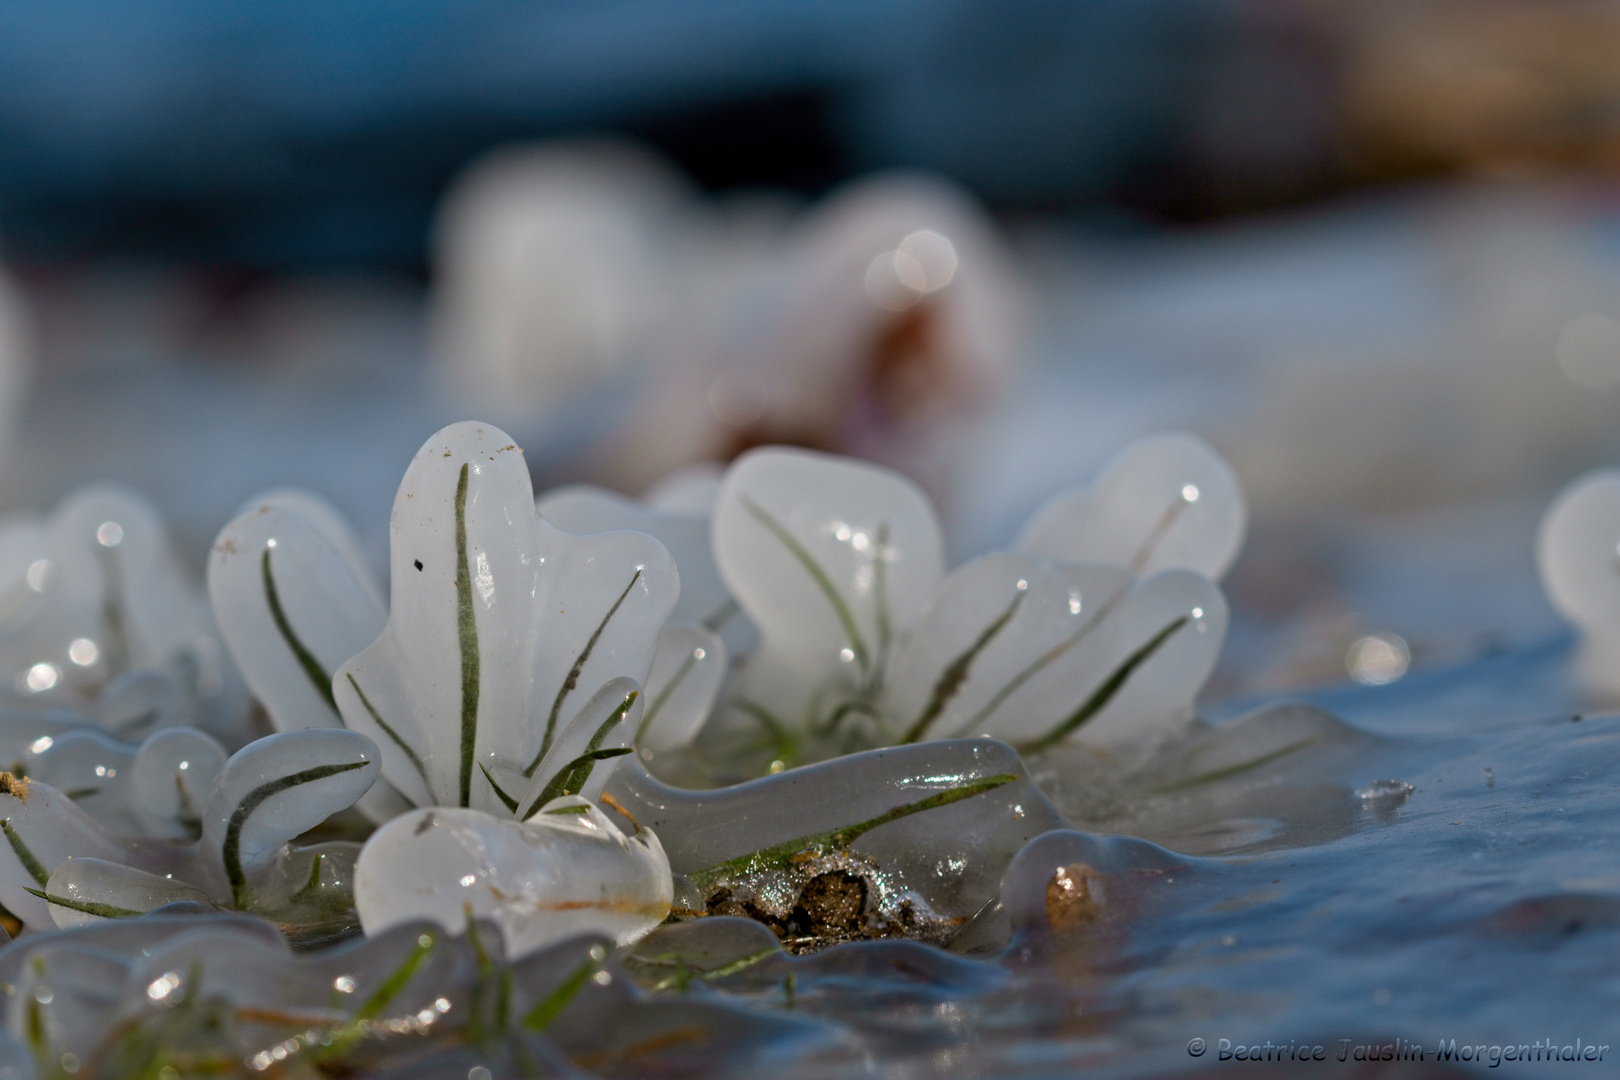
(888, 317)
(1578, 553)
(553, 271)
(1588, 350)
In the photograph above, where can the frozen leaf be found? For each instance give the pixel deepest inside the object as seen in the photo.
(567, 870)
(1162, 502)
(501, 625)
(832, 559)
(293, 599)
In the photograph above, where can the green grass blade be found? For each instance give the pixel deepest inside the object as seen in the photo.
(104, 911)
(857, 643)
(572, 680)
(956, 672)
(510, 803)
(312, 667)
(1105, 691)
(231, 853)
(663, 695)
(467, 637)
(391, 733)
(1035, 667)
(571, 778)
(541, 1016)
(24, 855)
(778, 856)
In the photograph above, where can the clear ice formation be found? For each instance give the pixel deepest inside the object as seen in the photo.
(1578, 554)
(566, 870)
(866, 640)
(1163, 502)
(222, 995)
(225, 839)
(915, 837)
(488, 716)
(92, 596)
(705, 628)
(508, 642)
(294, 598)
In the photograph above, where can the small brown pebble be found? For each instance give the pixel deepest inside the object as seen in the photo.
(1074, 898)
(11, 785)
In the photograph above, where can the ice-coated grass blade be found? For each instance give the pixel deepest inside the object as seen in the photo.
(467, 638)
(778, 732)
(780, 855)
(346, 1036)
(569, 683)
(1034, 667)
(956, 672)
(880, 600)
(663, 695)
(1235, 770)
(572, 777)
(25, 856)
(857, 644)
(721, 615)
(500, 793)
(231, 853)
(540, 1017)
(1105, 691)
(104, 911)
(684, 975)
(390, 732)
(312, 667)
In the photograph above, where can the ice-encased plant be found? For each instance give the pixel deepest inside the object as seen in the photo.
(506, 680)
(93, 601)
(706, 627)
(180, 823)
(866, 639)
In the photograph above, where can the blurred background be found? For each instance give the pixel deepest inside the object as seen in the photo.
(1370, 250)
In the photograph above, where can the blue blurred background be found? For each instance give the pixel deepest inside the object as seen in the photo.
(1348, 241)
(302, 133)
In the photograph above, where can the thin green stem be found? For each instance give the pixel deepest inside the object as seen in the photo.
(663, 695)
(778, 856)
(955, 673)
(89, 907)
(507, 800)
(541, 1016)
(391, 733)
(857, 643)
(467, 637)
(1105, 691)
(572, 777)
(1035, 666)
(312, 667)
(24, 855)
(231, 853)
(572, 680)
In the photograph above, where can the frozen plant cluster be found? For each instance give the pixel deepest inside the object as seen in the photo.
(756, 693)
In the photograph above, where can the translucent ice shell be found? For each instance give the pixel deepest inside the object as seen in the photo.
(501, 628)
(1163, 502)
(567, 870)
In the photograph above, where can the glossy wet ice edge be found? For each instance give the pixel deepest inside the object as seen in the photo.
(1479, 907)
